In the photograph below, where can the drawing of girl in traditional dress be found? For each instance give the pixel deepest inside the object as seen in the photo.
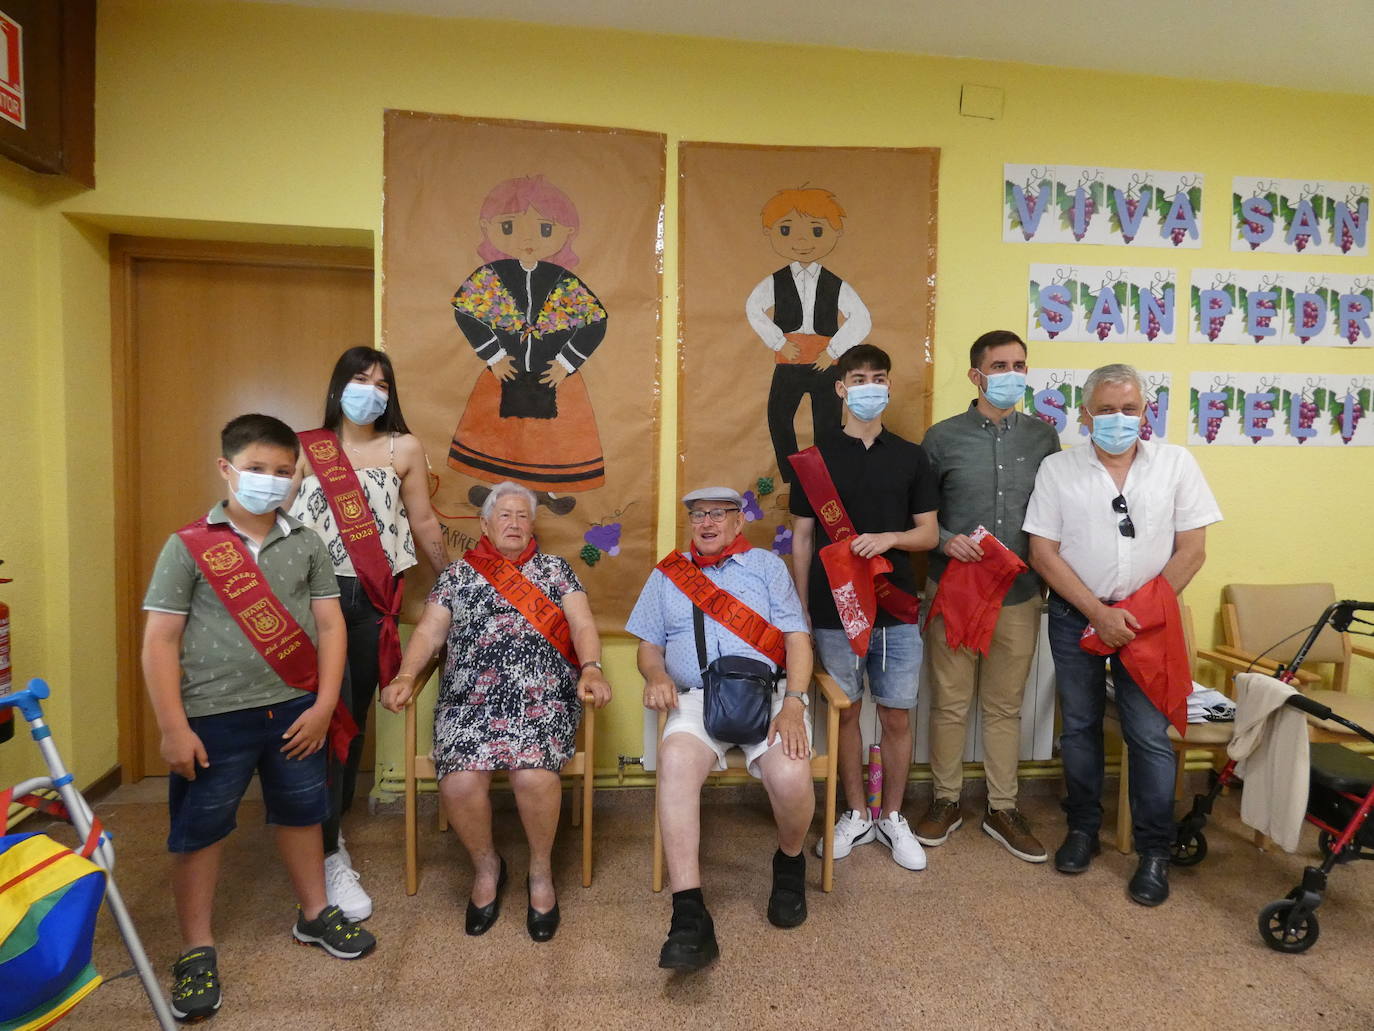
(533, 323)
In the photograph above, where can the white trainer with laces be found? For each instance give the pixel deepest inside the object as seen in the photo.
(342, 889)
(894, 832)
(853, 828)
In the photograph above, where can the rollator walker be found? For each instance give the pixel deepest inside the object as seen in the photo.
(1340, 799)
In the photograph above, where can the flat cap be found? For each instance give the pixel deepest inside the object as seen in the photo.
(713, 494)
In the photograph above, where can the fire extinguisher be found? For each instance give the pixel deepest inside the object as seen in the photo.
(6, 713)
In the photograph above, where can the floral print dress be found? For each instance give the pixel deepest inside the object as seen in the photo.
(507, 698)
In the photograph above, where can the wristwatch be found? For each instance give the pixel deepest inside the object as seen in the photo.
(594, 664)
(800, 696)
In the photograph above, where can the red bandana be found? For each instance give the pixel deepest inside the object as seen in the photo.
(736, 547)
(486, 549)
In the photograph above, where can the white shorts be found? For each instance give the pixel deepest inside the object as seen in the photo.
(689, 718)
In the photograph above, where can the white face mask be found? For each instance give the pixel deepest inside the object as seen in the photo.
(260, 493)
(866, 400)
(362, 403)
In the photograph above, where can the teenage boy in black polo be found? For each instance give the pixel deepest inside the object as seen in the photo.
(886, 486)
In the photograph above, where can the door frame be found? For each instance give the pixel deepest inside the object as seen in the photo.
(126, 253)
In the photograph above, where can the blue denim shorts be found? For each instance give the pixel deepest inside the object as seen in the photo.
(237, 745)
(893, 664)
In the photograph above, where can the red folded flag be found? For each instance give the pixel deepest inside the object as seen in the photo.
(970, 593)
(1157, 658)
(856, 595)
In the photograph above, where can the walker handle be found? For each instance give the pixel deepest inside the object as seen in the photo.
(27, 700)
(1307, 705)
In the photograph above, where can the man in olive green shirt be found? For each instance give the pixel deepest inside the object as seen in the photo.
(985, 460)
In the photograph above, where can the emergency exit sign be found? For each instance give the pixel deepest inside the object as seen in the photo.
(11, 70)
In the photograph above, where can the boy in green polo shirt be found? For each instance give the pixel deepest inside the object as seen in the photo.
(225, 711)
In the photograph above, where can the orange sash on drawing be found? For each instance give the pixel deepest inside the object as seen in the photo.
(724, 607)
(525, 597)
(362, 540)
(820, 490)
(273, 632)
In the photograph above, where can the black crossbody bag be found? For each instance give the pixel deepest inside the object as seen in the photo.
(738, 692)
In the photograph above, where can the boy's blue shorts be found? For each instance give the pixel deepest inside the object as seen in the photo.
(238, 744)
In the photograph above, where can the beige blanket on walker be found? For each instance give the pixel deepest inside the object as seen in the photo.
(1270, 747)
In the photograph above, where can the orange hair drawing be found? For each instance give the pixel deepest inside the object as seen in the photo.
(811, 201)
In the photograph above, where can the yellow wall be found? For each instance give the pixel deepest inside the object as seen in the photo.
(261, 117)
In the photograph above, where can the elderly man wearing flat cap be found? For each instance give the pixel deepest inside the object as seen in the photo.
(749, 608)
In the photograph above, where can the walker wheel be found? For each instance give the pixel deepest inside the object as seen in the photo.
(1326, 842)
(1189, 851)
(1274, 929)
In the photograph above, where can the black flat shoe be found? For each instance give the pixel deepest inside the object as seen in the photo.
(480, 918)
(542, 926)
(1150, 885)
(1076, 854)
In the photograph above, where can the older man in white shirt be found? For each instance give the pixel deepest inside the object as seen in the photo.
(1104, 520)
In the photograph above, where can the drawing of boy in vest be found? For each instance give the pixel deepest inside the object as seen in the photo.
(806, 314)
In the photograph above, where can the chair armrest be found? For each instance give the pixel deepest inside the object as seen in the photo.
(422, 678)
(1361, 651)
(1238, 661)
(834, 697)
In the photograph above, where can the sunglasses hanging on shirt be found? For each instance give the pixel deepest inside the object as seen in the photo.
(1126, 527)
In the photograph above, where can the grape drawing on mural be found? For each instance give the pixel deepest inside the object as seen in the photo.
(1027, 201)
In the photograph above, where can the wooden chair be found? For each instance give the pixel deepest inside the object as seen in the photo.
(1210, 737)
(418, 765)
(1263, 618)
(823, 766)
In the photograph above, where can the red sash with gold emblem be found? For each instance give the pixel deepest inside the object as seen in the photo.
(361, 539)
(265, 621)
(820, 490)
(724, 607)
(525, 596)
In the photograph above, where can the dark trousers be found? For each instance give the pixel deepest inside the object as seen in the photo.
(790, 384)
(1081, 685)
(359, 685)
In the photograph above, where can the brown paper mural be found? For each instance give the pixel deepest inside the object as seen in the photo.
(789, 257)
(522, 277)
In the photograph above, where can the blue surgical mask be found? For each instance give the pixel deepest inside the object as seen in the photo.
(1004, 389)
(1115, 433)
(260, 493)
(866, 400)
(362, 403)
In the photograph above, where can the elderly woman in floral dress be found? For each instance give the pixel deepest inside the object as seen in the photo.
(522, 649)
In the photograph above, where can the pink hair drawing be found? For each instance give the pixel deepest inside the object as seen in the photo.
(514, 196)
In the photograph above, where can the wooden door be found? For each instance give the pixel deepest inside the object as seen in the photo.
(204, 332)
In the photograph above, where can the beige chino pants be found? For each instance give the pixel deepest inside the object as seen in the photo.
(999, 681)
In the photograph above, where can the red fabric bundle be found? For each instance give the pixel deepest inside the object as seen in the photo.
(1157, 658)
(970, 593)
(856, 596)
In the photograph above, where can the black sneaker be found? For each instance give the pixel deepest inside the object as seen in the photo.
(787, 902)
(691, 942)
(332, 932)
(195, 985)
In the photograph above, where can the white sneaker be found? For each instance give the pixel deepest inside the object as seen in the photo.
(894, 832)
(343, 852)
(342, 889)
(851, 829)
